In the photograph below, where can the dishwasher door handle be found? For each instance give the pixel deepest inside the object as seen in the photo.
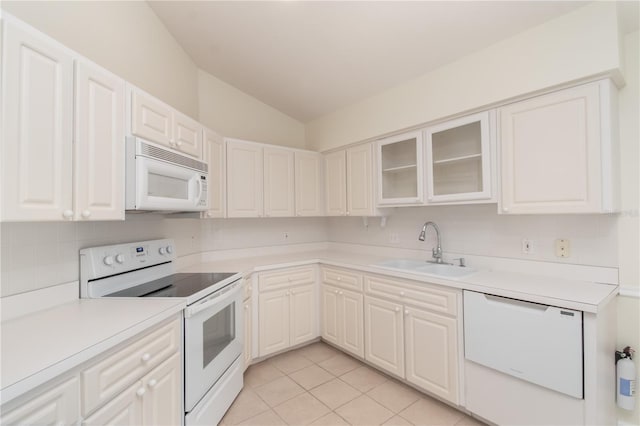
(517, 303)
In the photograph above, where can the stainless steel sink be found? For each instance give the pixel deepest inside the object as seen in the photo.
(427, 268)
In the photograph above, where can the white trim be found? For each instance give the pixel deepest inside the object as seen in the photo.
(628, 291)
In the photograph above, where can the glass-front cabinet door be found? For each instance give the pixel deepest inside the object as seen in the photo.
(400, 171)
(459, 160)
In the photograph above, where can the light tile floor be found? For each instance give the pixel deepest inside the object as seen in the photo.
(320, 385)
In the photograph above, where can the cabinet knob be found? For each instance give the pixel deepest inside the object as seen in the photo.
(339, 279)
(348, 213)
(402, 293)
(209, 214)
(505, 209)
(141, 391)
(406, 312)
(246, 307)
(335, 291)
(179, 143)
(86, 214)
(340, 293)
(287, 293)
(67, 214)
(250, 288)
(146, 357)
(397, 309)
(153, 383)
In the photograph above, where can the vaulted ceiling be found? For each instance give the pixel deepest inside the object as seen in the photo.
(307, 59)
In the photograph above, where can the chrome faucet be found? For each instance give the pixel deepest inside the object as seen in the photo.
(437, 251)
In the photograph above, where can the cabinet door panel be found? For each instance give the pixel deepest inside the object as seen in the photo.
(330, 314)
(123, 410)
(99, 144)
(187, 134)
(278, 182)
(162, 401)
(384, 340)
(351, 322)
(214, 154)
(244, 179)
(151, 119)
(335, 174)
(37, 104)
(432, 353)
(59, 405)
(303, 314)
(550, 153)
(359, 181)
(308, 187)
(273, 312)
(248, 332)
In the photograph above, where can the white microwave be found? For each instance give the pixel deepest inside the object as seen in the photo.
(158, 179)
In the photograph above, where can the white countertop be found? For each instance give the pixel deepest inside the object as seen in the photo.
(41, 345)
(572, 294)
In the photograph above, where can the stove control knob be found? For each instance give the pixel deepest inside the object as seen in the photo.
(161, 250)
(120, 258)
(169, 249)
(108, 260)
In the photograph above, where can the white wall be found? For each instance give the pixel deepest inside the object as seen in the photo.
(629, 220)
(571, 47)
(479, 230)
(233, 113)
(125, 37)
(39, 255)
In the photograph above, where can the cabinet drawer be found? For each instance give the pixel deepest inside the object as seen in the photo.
(425, 296)
(341, 278)
(286, 278)
(108, 377)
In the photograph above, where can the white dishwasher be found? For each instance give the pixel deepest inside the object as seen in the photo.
(537, 343)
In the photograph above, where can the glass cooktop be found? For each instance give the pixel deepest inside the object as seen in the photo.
(176, 285)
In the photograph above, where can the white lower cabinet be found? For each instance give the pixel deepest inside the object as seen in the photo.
(384, 335)
(248, 324)
(58, 405)
(138, 383)
(287, 311)
(411, 331)
(342, 319)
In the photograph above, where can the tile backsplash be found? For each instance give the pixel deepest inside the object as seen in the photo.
(38, 255)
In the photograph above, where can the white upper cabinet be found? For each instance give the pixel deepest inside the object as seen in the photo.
(399, 170)
(557, 152)
(360, 181)
(187, 134)
(349, 182)
(215, 156)
(155, 121)
(37, 108)
(99, 144)
(308, 184)
(335, 172)
(278, 182)
(459, 166)
(244, 179)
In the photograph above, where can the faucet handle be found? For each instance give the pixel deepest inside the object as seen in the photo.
(462, 263)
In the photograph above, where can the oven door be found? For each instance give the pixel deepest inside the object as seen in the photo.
(165, 186)
(213, 340)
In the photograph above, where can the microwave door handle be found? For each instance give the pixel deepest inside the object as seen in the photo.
(199, 190)
(231, 293)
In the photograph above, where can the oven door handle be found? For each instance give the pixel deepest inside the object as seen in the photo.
(228, 293)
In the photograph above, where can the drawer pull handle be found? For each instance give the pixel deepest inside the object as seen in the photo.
(141, 391)
(153, 383)
(146, 357)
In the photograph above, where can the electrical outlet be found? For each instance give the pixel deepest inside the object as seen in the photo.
(563, 247)
(527, 246)
(394, 238)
